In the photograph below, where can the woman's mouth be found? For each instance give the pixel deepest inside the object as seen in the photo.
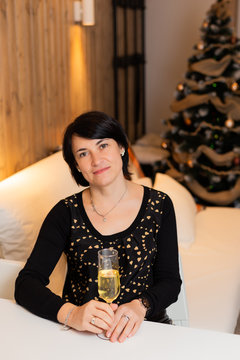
(100, 171)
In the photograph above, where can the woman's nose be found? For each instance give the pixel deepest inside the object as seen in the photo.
(95, 159)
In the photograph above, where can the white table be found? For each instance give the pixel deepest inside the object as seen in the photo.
(24, 336)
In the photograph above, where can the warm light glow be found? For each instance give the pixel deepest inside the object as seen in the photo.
(78, 71)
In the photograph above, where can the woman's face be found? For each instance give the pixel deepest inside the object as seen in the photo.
(99, 160)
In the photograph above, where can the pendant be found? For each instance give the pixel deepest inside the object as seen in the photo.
(104, 219)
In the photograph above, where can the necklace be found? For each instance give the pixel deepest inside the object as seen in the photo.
(104, 215)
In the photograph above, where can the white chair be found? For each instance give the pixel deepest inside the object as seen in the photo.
(178, 311)
(9, 270)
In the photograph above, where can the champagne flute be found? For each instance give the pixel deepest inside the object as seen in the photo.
(108, 277)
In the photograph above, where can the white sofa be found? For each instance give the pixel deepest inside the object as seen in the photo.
(209, 240)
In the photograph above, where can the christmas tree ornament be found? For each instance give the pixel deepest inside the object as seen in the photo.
(200, 56)
(236, 161)
(205, 24)
(216, 179)
(214, 28)
(208, 134)
(222, 39)
(231, 177)
(236, 149)
(190, 163)
(188, 178)
(229, 123)
(164, 145)
(200, 45)
(180, 87)
(204, 148)
(188, 121)
(203, 111)
(233, 39)
(218, 51)
(234, 86)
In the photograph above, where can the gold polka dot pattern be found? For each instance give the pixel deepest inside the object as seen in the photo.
(137, 247)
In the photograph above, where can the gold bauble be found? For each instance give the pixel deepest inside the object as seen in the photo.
(164, 145)
(229, 123)
(190, 163)
(200, 45)
(234, 86)
(205, 24)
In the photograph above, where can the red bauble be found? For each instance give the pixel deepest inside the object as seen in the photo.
(236, 161)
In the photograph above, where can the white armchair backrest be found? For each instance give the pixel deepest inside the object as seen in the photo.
(9, 270)
(178, 311)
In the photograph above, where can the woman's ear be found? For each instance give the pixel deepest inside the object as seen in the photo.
(122, 151)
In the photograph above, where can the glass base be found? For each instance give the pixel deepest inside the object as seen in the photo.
(103, 336)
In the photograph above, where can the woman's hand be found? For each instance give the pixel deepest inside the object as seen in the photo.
(94, 316)
(128, 318)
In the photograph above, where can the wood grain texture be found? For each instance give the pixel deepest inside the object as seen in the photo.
(51, 71)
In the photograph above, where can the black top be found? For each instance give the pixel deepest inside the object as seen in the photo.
(148, 257)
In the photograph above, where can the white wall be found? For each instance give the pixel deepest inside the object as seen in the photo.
(172, 28)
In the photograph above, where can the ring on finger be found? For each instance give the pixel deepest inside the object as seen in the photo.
(93, 320)
(126, 317)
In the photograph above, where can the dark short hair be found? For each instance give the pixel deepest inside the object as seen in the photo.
(94, 125)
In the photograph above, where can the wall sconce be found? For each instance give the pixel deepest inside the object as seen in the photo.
(83, 12)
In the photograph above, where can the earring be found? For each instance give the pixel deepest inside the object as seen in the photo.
(122, 154)
(79, 170)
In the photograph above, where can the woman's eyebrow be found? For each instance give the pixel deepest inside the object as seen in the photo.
(97, 143)
(101, 140)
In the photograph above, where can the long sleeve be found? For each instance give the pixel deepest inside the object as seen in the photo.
(166, 277)
(31, 291)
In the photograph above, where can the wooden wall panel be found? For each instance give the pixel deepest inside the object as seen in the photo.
(51, 71)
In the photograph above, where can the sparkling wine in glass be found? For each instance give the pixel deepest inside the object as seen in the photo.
(108, 277)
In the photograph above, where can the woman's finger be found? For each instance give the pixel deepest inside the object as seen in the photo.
(104, 307)
(124, 325)
(117, 319)
(126, 330)
(97, 322)
(134, 329)
(94, 329)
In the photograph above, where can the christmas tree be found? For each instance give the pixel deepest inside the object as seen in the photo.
(203, 136)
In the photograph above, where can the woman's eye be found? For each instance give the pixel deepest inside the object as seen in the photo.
(103, 146)
(83, 154)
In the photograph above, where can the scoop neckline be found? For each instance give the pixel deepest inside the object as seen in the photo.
(121, 233)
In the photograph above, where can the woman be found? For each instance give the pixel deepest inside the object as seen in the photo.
(112, 211)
